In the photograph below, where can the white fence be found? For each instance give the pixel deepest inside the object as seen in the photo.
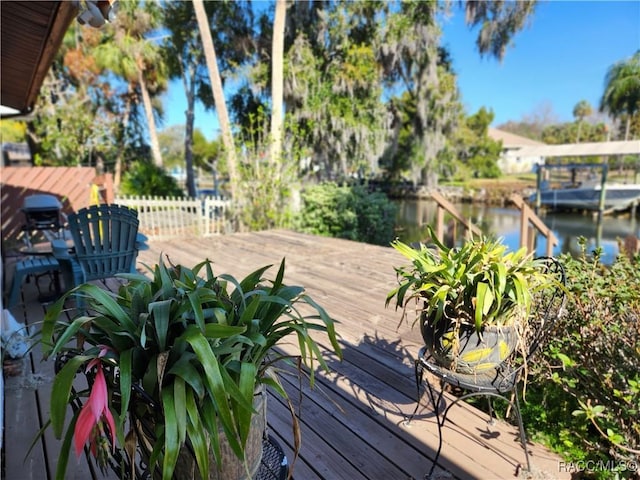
(162, 218)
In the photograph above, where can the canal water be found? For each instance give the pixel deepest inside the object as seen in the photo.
(414, 216)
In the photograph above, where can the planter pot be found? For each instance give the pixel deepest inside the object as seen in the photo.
(475, 352)
(231, 468)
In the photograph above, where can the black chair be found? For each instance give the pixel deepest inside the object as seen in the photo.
(500, 382)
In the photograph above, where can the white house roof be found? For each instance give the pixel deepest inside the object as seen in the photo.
(630, 147)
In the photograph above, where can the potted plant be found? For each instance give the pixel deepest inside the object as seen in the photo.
(472, 301)
(176, 363)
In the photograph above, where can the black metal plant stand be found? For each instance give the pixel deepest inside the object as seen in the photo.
(502, 381)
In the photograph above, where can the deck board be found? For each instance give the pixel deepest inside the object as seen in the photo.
(352, 423)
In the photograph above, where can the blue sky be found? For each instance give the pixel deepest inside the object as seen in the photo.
(560, 58)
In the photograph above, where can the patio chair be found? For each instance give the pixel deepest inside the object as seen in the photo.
(35, 266)
(105, 239)
(501, 382)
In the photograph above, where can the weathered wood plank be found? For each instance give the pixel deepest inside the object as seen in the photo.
(21, 425)
(315, 459)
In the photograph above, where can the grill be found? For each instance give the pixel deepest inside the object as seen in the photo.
(42, 214)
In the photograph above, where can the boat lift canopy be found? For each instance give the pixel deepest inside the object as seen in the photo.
(590, 149)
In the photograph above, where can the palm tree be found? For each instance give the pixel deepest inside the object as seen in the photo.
(185, 55)
(621, 95)
(277, 79)
(498, 22)
(580, 112)
(218, 93)
(129, 55)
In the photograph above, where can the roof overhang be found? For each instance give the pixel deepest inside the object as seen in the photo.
(630, 147)
(32, 32)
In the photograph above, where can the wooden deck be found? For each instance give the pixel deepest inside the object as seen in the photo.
(353, 421)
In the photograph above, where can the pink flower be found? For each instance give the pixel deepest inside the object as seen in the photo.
(90, 424)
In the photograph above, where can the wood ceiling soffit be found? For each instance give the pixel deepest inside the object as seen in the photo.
(31, 36)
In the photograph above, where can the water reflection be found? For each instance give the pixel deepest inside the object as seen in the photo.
(414, 216)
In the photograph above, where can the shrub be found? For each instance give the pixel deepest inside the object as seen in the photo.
(144, 178)
(586, 399)
(263, 195)
(348, 212)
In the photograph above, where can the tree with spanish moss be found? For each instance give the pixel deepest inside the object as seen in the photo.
(332, 88)
(411, 57)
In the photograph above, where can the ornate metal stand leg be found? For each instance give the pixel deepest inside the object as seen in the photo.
(492, 420)
(419, 376)
(523, 435)
(439, 421)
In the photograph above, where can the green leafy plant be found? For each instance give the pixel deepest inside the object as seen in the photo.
(591, 365)
(197, 346)
(348, 212)
(145, 178)
(472, 302)
(478, 284)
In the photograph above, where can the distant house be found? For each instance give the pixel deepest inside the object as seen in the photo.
(512, 160)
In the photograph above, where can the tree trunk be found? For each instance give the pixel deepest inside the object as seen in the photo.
(218, 94)
(578, 135)
(188, 132)
(627, 128)
(151, 123)
(117, 175)
(277, 54)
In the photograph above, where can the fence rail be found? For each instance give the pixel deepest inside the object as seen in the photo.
(70, 185)
(163, 218)
(445, 206)
(529, 218)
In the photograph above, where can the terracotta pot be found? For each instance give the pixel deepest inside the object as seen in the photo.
(476, 351)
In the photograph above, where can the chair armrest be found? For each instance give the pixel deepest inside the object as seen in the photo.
(60, 249)
(141, 241)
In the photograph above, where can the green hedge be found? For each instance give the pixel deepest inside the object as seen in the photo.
(347, 212)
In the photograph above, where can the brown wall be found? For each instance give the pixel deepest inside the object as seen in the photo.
(72, 186)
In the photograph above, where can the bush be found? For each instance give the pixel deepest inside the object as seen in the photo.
(144, 178)
(262, 195)
(348, 212)
(585, 401)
